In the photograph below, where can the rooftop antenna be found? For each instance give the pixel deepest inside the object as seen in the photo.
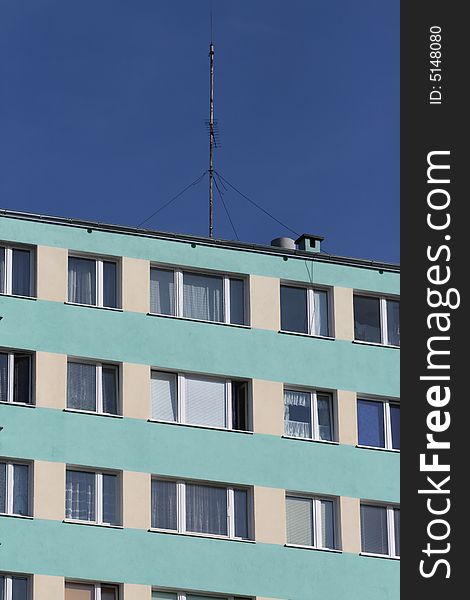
(212, 137)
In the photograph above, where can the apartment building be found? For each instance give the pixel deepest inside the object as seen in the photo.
(193, 419)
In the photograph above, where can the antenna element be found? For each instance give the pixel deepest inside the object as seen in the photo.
(212, 142)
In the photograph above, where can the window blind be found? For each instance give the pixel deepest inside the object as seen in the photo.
(205, 401)
(163, 396)
(299, 521)
(162, 291)
(374, 529)
(203, 297)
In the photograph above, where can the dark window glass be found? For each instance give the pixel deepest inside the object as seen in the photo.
(206, 509)
(110, 284)
(374, 531)
(370, 418)
(3, 487)
(108, 593)
(395, 424)
(2, 270)
(21, 273)
(19, 588)
(110, 499)
(164, 505)
(237, 301)
(393, 322)
(3, 377)
(294, 309)
(110, 389)
(20, 489)
(22, 378)
(239, 405)
(367, 319)
(396, 513)
(325, 424)
(241, 514)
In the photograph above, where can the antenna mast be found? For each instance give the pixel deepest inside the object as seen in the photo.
(211, 132)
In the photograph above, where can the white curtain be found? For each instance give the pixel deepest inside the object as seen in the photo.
(297, 414)
(80, 496)
(320, 313)
(162, 292)
(205, 401)
(81, 386)
(206, 509)
(299, 521)
(163, 396)
(3, 483)
(82, 280)
(164, 507)
(20, 489)
(21, 272)
(3, 377)
(324, 417)
(203, 297)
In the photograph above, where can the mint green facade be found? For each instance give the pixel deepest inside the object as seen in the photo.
(251, 569)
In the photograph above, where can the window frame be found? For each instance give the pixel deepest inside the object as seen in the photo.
(10, 371)
(99, 497)
(8, 275)
(8, 584)
(181, 400)
(391, 541)
(310, 289)
(96, 587)
(314, 423)
(9, 486)
(383, 316)
(99, 279)
(181, 509)
(316, 518)
(178, 273)
(387, 421)
(98, 386)
(182, 595)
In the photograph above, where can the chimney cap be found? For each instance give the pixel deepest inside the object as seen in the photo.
(310, 237)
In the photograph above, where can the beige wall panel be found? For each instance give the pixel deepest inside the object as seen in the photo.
(52, 277)
(347, 417)
(135, 391)
(350, 524)
(49, 490)
(135, 284)
(137, 592)
(268, 407)
(265, 303)
(344, 313)
(46, 587)
(51, 380)
(136, 500)
(270, 515)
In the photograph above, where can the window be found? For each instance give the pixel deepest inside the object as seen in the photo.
(14, 488)
(377, 320)
(197, 400)
(93, 387)
(167, 595)
(308, 415)
(304, 310)
(200, 296)
(380, 530)
(311, 522)
(15, 377)
(93, 281)
(92, 496)
(16, 271)
(13, 587)
(91, 591)
(201, 508)
(378, 424)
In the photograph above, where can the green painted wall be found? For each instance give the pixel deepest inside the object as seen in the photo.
(194, 346)
(96, 553)
(137, 445)
(181, 253)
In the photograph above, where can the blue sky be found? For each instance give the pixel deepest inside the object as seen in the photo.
(103, 105)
